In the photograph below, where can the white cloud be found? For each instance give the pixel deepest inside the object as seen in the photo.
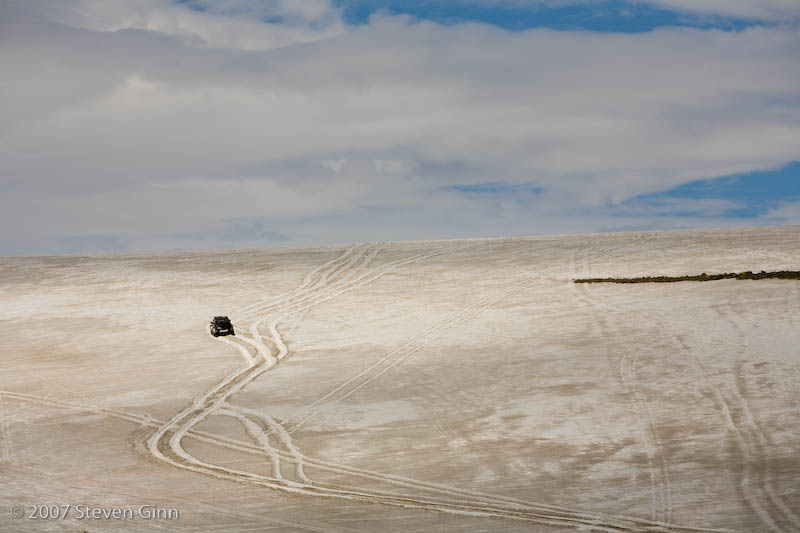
(785, 213)
(235, 24)
(166, 128)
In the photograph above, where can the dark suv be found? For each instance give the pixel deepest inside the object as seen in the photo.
(221, 325)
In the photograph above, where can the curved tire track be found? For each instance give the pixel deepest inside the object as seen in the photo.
(660, 482)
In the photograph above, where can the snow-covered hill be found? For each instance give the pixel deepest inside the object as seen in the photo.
(418, 386)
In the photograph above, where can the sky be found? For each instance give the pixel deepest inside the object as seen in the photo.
(130, 125)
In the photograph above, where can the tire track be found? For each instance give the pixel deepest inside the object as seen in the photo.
(5, 443)
(255, 432)
(763, 441)
(397, 356)
(658, 469)
(164, 444)
(207, 437)
(322, 277)
(757, 438)
(603, 524)
(233, 444)
(753, 486)
(753, 496)
(326, 279)
(647, 421)
(249, 360)
(283, 436)
(301, 295)
(243, 376)
(414, 345)
(139, 418)
(254, 307)
(332, 293)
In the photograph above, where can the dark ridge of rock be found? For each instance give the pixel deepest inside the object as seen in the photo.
(781, 274)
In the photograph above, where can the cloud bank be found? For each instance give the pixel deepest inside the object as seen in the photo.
(160, 125)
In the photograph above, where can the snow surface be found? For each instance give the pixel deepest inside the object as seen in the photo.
(420, 386)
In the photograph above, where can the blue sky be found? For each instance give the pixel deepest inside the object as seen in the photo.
(610, 16)
(184, 124)
(588, 15)
(746, 196)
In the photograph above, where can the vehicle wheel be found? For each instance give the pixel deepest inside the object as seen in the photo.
(233, 333)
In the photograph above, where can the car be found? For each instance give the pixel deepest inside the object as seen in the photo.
(221, 325)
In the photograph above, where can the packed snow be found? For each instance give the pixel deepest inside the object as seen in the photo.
(463, 385)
